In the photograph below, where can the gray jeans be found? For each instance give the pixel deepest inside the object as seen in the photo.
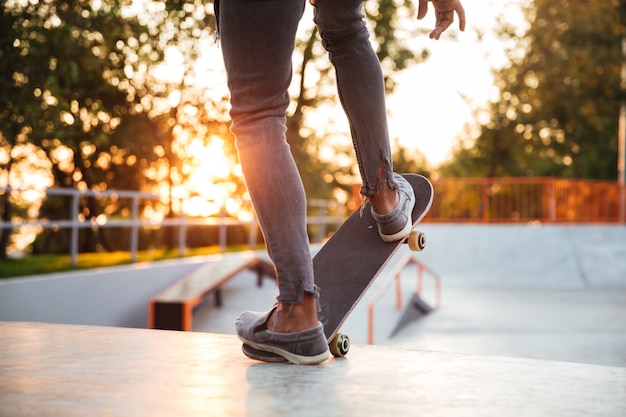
(257, 38)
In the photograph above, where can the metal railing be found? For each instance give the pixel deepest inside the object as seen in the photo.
(321, 220)
(458, 200)
(395, 276)
(527, 200)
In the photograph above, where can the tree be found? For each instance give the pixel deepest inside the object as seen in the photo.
(558, 99)
(83, 88)
(54, 93)
(66, 92)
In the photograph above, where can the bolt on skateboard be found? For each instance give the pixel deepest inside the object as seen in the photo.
(349, 262)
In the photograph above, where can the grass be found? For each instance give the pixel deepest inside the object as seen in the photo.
(46, 264)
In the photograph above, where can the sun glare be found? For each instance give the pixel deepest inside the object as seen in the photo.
(214, 163)
(208, 192)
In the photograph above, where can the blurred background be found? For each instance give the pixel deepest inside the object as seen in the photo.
(115, 145)
(131, 95)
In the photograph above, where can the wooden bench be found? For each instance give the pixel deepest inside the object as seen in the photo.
(172, 309)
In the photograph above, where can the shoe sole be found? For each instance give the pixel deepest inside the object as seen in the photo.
(290, 356)
(261, 355)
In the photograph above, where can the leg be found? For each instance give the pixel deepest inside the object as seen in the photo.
(257, 43)
(361, 91)
(360, 87)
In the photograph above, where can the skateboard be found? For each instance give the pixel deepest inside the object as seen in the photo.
(349, 262)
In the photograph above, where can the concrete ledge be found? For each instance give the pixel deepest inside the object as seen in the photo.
(111, 296)
(75, 370)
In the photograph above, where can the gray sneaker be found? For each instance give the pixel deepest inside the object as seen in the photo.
(308, 347)
(397, 224)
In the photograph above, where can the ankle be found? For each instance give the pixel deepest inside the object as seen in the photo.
(384, 201)
(291, 318)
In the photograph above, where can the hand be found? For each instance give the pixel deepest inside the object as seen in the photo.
(444, 12)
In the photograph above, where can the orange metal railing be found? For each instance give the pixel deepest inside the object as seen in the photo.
(526, 200)
(395, 278)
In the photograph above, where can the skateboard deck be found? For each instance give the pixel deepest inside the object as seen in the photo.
(352, 259)
(349, 262)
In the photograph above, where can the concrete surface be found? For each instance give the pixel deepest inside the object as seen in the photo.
(541, 292)
(72, 370)
(567, 325)
(112, 296)
(521, 256)
(546, 292)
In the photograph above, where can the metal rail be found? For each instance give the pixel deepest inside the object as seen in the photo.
(527, 200)
(458, 200)
(395, 278)
(321, 219)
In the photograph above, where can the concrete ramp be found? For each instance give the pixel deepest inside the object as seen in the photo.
(415, 310)
(527, 256)
(76, 370)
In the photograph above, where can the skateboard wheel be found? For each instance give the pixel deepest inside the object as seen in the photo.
(417, 241)
(339, 345)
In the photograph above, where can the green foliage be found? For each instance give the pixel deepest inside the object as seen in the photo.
(56, 93)
(559, 100)
(79, 86)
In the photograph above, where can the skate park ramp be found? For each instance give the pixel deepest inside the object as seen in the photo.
(511, 323)
(547, 257)
(541, 292)
(544, 292)
(77, 370)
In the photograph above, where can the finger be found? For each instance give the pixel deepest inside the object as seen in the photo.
(460, 11)
(444, 20)
(422, 9)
